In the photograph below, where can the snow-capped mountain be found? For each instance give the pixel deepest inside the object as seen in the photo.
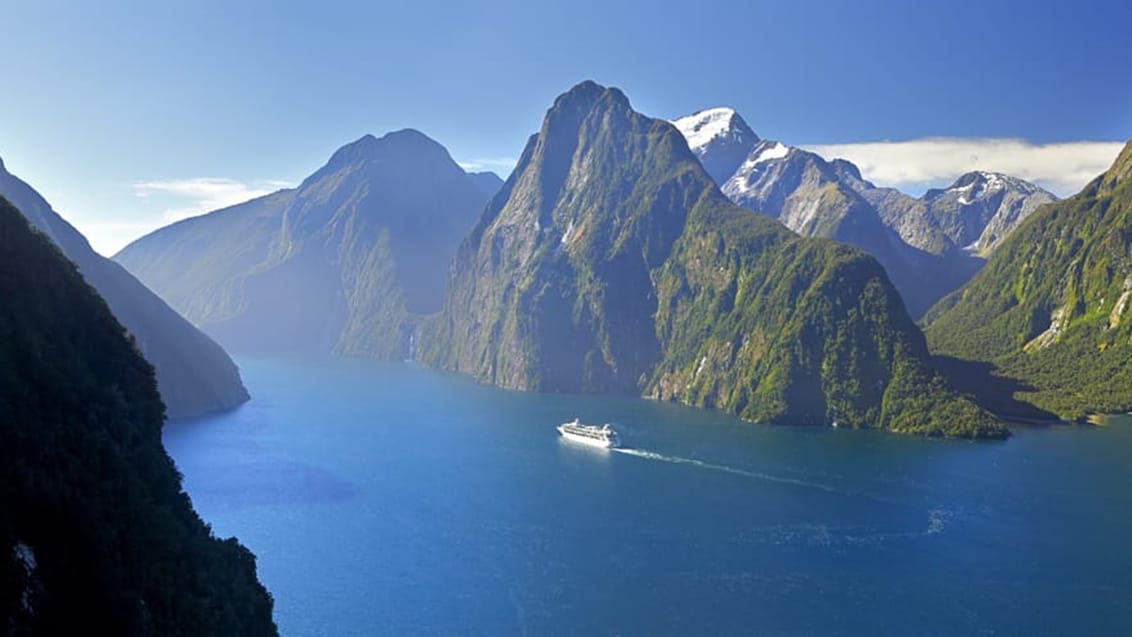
(928, 245)
(973, 215)
(806, 193)
(799, 188)
(720, 138)
(981, 208)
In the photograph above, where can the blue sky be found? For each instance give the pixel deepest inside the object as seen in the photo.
(126, 115)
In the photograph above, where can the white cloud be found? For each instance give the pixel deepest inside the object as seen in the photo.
(501, 166)
(1063, 168)
(198, 195)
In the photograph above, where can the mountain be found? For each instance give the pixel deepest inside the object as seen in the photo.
(720, 139)
(488, 182)
(807, 194)
(96, 534)
(610, 262)
(819, 198)
(344, 263)
(1049, 315)
(195, 376)
(973, 215)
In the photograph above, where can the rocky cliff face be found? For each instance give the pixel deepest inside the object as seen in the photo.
(973, 215)
(1049, 312)
(343, 263)
(195, 376)
(611, 262)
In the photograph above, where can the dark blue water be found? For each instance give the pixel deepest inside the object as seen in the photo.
(388, 499)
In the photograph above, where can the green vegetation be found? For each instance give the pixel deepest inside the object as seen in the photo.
(1050, 312)
(96, 535)
(194, 375)
(610, 262)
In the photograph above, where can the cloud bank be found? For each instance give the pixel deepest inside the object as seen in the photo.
(1062, 168)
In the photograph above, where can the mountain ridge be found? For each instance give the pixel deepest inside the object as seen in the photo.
(924, 246)
(196, 377)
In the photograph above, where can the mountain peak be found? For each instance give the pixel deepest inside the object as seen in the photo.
(721, 124)
(988, 180)
(981, 183)
(848, 169)
(720, 138)
(368, 146)
(407, 144)
(585, 95)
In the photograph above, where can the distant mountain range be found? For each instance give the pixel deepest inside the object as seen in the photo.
(343, 263)
(195, 376)
(929, 246)
(488, 182)
(611, 262)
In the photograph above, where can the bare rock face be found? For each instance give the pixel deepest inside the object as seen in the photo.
(974, 214)
(930, 246)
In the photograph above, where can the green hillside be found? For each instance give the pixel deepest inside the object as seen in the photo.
(96, 535)
(1049, 313)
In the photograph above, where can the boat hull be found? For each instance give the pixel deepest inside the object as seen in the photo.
(585, 440)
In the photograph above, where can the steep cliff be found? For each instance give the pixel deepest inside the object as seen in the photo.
(96, 534)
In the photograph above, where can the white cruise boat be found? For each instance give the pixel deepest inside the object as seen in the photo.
(604, 436)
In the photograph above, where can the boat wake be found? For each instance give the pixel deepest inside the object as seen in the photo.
(938, 519)
(641, 453)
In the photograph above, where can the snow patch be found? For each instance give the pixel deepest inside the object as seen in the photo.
(777, 151)
(566, 235)
(742, 182)
(994, 181)
(700, 129)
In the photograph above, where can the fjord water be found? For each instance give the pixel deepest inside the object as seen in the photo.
(391, 499)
